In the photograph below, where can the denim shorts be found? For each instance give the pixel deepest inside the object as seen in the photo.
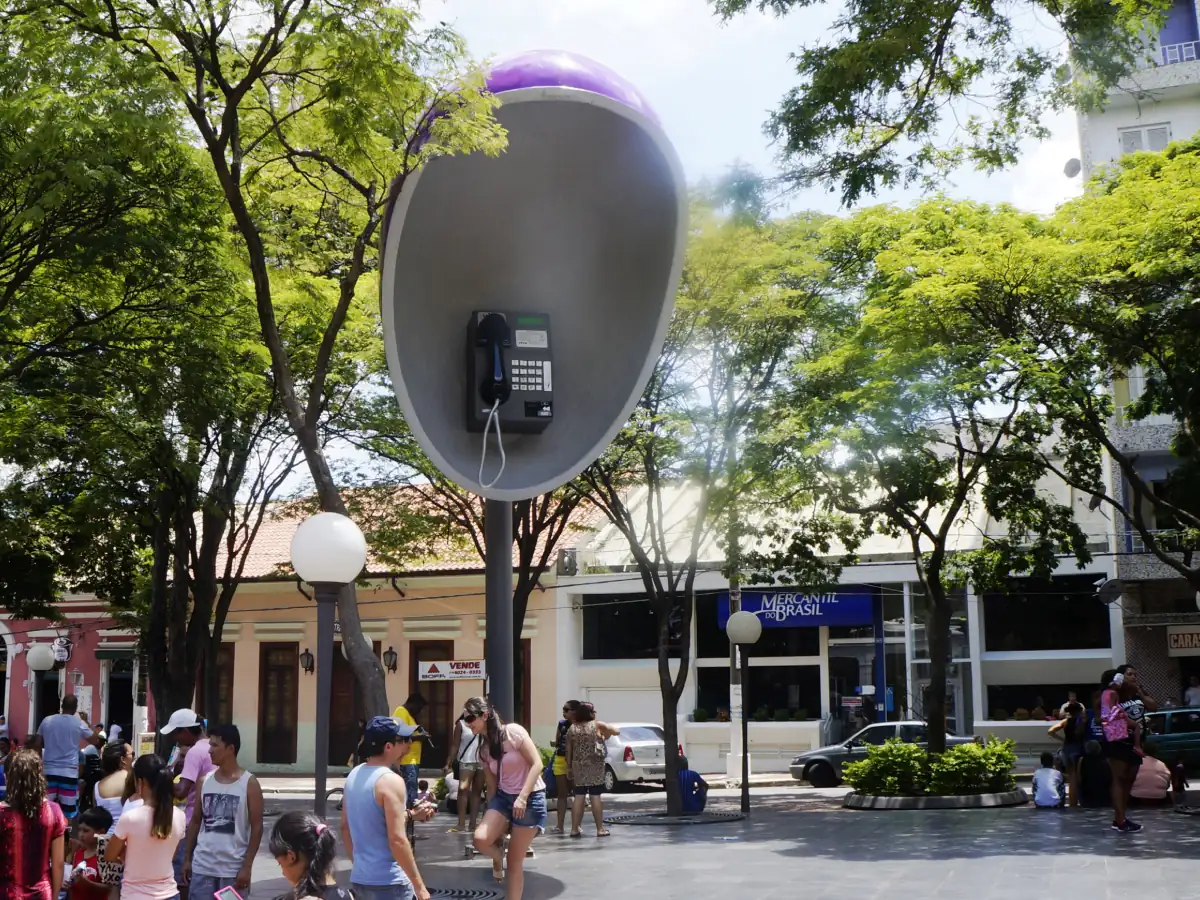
(381, 891)
(203, 887)
(177, 863)
(535, 809)
(412, 778)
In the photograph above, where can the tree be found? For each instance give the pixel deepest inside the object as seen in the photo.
(1124, 295)
(905, 91)
(312, 114)
(921, 424)
(100, 202)
(745, 304)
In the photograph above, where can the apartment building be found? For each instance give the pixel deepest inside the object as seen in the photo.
(1157, 104)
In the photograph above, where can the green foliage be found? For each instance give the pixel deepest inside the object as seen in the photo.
(900, 769)
(902, 91)
(547, 755)
(892, 769)
(440, 790)
(973, 769)
(700, 715)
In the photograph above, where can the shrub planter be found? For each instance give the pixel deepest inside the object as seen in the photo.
(962, 801)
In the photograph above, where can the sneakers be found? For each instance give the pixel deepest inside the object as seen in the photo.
(1127, 827)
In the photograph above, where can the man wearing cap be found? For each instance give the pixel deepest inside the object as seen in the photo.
(192, 764)
(374, 806)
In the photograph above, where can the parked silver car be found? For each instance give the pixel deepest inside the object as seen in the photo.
(636, 754)
(823, 767)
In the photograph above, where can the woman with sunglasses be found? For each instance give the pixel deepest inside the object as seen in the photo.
(512, 768)
(562, 774)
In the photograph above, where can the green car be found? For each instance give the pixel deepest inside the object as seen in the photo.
(1173, 735)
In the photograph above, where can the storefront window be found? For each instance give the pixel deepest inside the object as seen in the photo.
(773, 693)
(960, 647)
(960, 716)
(623, 626)
(1065, 613)
(1032, 701)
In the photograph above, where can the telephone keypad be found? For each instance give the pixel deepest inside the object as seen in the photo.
(531, 374)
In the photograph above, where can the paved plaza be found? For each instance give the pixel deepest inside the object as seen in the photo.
(800, 843)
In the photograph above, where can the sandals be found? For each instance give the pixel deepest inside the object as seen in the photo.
(498, 872)
(576, 834)
(604, 833)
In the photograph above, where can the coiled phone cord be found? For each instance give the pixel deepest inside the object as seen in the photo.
(493, 416)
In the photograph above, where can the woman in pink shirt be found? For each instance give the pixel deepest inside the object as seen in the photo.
(147, 836)
(1122, 746)
(512, 768)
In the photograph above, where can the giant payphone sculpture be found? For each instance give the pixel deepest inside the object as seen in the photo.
(525, 297)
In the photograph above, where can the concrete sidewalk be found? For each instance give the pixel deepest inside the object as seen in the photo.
(280, 785)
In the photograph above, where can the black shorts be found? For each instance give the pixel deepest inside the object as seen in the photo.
(588, 790)
(1122, 751)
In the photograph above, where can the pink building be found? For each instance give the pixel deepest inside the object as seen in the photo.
(97, 661)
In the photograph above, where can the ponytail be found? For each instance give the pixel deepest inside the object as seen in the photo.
(152, 770)
(306, 837)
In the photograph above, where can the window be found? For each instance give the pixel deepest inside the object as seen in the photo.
(959, 640)
(1155, 723)
(711, 640)
(1185, 723)
(1065, 613)
(772, 693)
(914, 734)
(623, 626)
(1146, 137)
(635, 733)
(876, 735)
(1008, 701)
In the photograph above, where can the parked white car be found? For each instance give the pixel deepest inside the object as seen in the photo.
(637, 754)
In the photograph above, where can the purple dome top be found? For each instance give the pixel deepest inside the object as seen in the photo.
(557, 68)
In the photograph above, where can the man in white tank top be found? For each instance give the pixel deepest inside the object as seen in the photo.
(227, 825)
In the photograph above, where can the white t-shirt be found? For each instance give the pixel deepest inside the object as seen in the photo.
(1047, 787)
(1191, 696)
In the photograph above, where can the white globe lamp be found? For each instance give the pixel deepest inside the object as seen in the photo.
(743, 628)
(328, 551)
(39, 658)
(328, 548)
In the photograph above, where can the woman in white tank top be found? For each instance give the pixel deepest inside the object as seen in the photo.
(116, 761)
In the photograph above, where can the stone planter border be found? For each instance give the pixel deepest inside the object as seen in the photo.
(965, 801)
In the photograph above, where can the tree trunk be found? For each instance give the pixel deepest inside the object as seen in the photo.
(670, 706)
(938, 627)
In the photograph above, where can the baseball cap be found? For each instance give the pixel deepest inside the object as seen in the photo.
(386, 730)
(181, 718)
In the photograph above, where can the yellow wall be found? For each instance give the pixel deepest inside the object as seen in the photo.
(450, 609)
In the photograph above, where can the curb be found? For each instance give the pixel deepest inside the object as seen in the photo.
(966, 801)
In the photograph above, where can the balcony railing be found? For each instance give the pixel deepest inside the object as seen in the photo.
(1170, 540)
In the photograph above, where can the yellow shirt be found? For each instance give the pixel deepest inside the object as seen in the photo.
(413, 756)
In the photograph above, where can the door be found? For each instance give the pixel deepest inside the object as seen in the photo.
(348, 712)
(120, 697)
(49, 697)
(438, 718)
(221, 711)
(278, 701)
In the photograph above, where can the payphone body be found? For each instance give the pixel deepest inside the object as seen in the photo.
(510, 361)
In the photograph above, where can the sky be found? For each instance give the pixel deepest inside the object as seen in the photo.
(713, 84)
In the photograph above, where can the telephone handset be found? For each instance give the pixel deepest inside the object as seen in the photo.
(509, 361)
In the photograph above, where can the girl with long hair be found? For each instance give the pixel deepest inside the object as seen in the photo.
(116, 763)
(305, 848)
(146, 837)
(512, 767)
(34, 829)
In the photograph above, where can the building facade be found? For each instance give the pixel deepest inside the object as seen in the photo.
(1157, 104)
(97, 661)
(829, 662)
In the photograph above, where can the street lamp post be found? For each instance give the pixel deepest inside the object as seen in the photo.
(744, 629)
(328, 551)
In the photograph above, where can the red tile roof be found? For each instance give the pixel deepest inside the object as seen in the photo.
(438, 549)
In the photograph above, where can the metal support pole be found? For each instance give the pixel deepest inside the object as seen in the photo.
(498, 540)
(737, 693)
(327, 595)
(745, 667)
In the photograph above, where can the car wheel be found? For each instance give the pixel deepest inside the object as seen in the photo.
(821, 775)
(610, 780)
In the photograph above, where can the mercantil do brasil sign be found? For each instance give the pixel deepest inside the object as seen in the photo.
(792, 609)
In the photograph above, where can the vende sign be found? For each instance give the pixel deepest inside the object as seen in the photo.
(1183, 640)
(452, 670)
